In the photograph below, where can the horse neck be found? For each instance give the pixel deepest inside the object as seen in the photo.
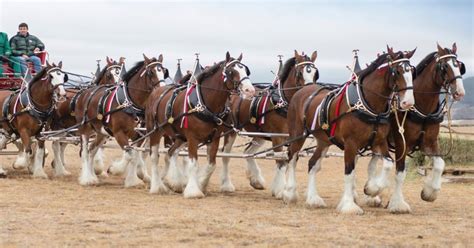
(136, 90)
(289, 86)
(214, 92)
(374, 87)
(41, 94)
(424, 87)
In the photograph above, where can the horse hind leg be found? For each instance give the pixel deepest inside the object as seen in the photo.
(253, 171)
(98, 161)
(226, 183)
(21, 161)
(347, 205)
(207, 172)
(142, 172)
(433, 184)
(376, 184)
(58, 161)
(313, 200)
(156, 184)
(38, 164)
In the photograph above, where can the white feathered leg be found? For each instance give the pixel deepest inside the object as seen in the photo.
(433, 184)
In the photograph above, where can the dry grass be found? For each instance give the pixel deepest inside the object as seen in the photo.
(60, 212)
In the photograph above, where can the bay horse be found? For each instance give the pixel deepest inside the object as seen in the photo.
(354, 117)
(193, 114)
(438, 73)
(267, 113)
(116, 111)
(63, 116)
(27, 111)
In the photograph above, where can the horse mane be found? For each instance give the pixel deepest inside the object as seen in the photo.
(375, 64)
(40, 74)
(209, 71)
(285, 71)
(101, 74)
(425, 62)
(184, 79)
(130, 73)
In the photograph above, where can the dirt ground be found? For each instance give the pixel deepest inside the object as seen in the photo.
(60, 212)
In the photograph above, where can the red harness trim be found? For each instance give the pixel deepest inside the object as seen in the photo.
(108, 105)
(184, 122)
(338, 108)
(261, 109)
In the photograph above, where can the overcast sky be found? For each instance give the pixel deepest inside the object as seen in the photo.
(79, 32)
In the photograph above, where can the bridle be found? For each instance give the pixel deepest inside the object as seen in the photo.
(307, 65)
(441, 67)
(147, 70)
(226, 75)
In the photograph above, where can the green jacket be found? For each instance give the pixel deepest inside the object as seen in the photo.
(4, 45)
(25, 45)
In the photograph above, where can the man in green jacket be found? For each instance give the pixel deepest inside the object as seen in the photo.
(5, 55)
(25, 46)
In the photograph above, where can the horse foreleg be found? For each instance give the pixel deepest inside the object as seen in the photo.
(289, 193)
(371, 189)
(253, 171)
(397, 204)
(347, 205)
(192, 189)
(375, 185)
(58, 161)
(87, 176)
(313, 200)
(226, 184)
(38, 170)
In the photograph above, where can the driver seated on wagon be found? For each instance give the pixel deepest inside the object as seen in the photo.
(25, 47)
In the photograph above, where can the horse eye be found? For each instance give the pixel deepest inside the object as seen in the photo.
(240, 66)
(58, 73)
(308, 69)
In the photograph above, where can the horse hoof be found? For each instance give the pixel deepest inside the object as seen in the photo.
(137, 183)
(88, 181)
(290, 196)
(371, 189)
(39, 175)
(192, 194)
(159, 190)
(257, 185)
(3, 174)
(227, 188)
(374, 202)
(349, 207)
(315, 202)
(429, 194)
(399, 207)
(65, 173)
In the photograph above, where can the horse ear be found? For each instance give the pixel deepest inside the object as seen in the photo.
(240, 57)
(297, 55)
(314, 56)
(147, 60)
(160, 58)
(48, 64)
(455, 48)
(390, 52)
(60, 65)
(227, 57)
(410, 54)
(54, 65)
(122, 60)
(109, 61)
(440, 49)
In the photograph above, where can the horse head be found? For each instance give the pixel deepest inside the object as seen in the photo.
(236, 74)
(450, 69)
(400, 74)
(306, 71)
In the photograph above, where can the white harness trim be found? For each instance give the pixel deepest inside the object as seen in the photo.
(49, 71)
(305, 63)
(446, 56)
(151, 64)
